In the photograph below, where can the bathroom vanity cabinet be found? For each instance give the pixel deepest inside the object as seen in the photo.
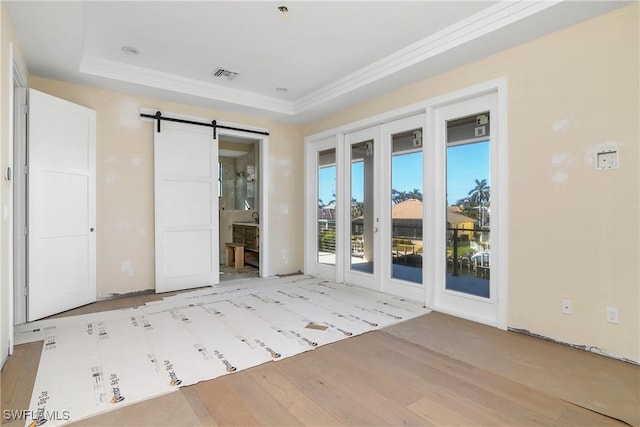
(248, 234)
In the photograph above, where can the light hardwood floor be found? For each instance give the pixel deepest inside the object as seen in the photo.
(433, 370)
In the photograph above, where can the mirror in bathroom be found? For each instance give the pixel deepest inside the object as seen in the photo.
(238, 174)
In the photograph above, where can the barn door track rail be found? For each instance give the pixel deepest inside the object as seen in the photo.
(159, 117)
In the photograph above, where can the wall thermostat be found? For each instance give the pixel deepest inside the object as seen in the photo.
(607, 159)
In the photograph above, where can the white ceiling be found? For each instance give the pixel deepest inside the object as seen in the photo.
(328, 55)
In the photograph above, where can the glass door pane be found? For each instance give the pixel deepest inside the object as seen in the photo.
(468, 206)
(327, 207)
(406, 206)
(362, 207)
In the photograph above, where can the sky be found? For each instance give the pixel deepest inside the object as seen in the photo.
(465, 164)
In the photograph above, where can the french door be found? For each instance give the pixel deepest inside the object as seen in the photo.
(321, 245)
(403, 208)
(466, 244)
(361, 217)
(414, 207)
(367, 222)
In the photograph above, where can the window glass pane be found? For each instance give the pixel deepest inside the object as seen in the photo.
(468, 206)
(406, 206)
(362, 221)
(327, 207)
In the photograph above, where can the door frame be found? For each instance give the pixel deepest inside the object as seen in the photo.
(17, 248)
(430, 175)
(263, 186)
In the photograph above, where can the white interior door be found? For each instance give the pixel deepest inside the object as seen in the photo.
(186, 207)
(61, 205)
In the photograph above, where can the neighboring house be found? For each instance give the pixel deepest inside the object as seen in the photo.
(327, 212)
(327, 217)
(457, 220)
(407, 219)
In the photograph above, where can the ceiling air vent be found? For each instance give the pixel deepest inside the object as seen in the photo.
(224, 74)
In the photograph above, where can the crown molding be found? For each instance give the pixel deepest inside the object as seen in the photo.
(484, 22)
(160, 80)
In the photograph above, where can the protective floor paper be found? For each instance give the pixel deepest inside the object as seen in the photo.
(102, 361)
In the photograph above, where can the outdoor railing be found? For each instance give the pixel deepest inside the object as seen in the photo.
(466, 247)
(468, 252)
(327, 236)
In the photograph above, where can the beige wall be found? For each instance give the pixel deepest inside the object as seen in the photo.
(573, 231)
(125, 221)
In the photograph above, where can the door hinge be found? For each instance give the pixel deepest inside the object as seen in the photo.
(26, 231)
(26, 169)
(25, 108)
(25, 291)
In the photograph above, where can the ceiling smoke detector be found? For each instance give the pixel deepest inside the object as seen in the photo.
(226, 74)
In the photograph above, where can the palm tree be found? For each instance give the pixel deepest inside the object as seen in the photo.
(401, 196)
(323, 204)
(397, 196)
(357, 208)
(461, 203)
(467, 208)
(415, 194)
(480, 194)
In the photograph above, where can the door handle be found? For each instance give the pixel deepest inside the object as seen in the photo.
(92, 229)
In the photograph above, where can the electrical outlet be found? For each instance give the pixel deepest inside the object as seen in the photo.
(129, 271)
(612, 315)
(567, 306)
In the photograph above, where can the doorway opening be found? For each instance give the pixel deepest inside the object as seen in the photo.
(239, 207)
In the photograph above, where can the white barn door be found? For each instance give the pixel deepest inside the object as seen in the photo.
(186, 206)
(61, 205)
